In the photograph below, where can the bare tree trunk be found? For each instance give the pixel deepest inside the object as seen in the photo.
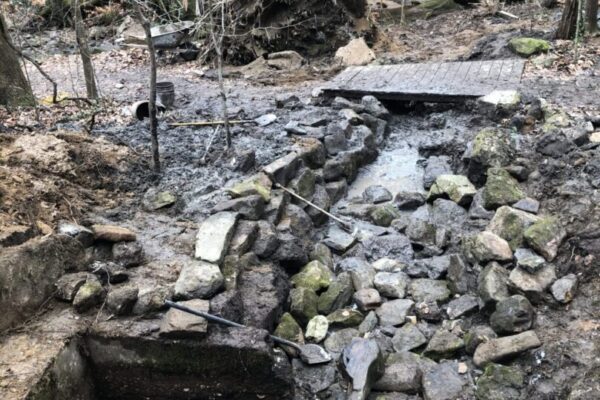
(591, 12)
(568, 22)
(84, 50)
(218, 43)
(14, 88)
(152, 101)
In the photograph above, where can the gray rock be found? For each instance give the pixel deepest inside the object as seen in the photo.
(369, 323)
(498, 349)
(449, 215)
(391, 284)
(84, 235)
(374, 107)
(367, 299)
(154, 200)
(177, 324)
(394, 312)
(394, 246)
(275, 208)
(477, 210)
(338, 294)
(428, 310)
(338, 239)
(376, 194)
(351, 116)
(433, 268)
(486, 246)
(490, 148)
(198, 279)
(492, 284)
(362, 362)
(294, 128)
(529, 260)
(292, 252)
(443, 382)
(443, 344)
(545, 236)
(513, 315)
(320, 199)
(313, 378)
(128, 254)
(360, 270)
(402, 374)
(528, 204)
(151, 299)
(462, 306)
(409, 200)
(121, 300)
(500, 189)
(388, 265)
(563, 290)
(68, 285)
(384, 214)
(477, 335)
(532, 285)
(267, 241)
(407, 338)
(428, 235)
(336, 143)
(316, 329)
(109, 272)
(250, 207)
(295, 221)
(90, 294)
(336, 190)
(243, 238)
(423, 290)
(303, 185)
(458, 275)
(284, 168)
(436, 166)
(338, 340)
(214, 235)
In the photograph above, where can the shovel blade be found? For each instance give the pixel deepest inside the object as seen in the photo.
(313, 354)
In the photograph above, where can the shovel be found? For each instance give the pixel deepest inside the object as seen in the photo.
(309, 353)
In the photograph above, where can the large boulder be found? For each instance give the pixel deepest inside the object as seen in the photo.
(198, 280)
(355, 53)
(490, 148)
(526, 46)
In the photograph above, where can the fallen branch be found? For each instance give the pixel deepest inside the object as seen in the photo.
(215, 133)
(212, 123)
(507, 15)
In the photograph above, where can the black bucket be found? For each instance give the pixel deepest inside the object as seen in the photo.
(165, 91)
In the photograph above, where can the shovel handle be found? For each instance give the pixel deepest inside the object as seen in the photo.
(226, 322)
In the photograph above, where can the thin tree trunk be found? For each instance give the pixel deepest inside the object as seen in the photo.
(152, 101)
(14, 88)
(591, 12)
(84, 50)
(218, 43)
(568, 22)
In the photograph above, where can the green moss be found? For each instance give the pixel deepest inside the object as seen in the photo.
(289, 329)
(499, 382)
(491, 148)
(345, 318)
(544, 236)
(458, 188)
(383, 215)
(303, 304)
(313, 275)
(258, 184)
(337, 295)
(500, 189)
(526, 47)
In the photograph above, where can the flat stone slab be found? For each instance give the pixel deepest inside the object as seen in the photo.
(181, 325)
(436, 82)
(214, 235)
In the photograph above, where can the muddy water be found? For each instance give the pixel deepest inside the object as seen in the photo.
(396, 169)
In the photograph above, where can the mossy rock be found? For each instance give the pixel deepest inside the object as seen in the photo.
(510, 224)
(345, 318)
(545, 236)
(491, 148)
(383, 215)
(314, 275)
(337, 295)
(289, 329)
(526, 47)
(500, 189)
(500, 382)
(457, 188)
(430, 8)
(303, 304)
(258, 184)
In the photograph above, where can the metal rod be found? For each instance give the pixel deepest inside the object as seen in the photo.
(330, 215)
(227, 322)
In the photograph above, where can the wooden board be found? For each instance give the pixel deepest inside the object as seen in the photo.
(435, 82)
